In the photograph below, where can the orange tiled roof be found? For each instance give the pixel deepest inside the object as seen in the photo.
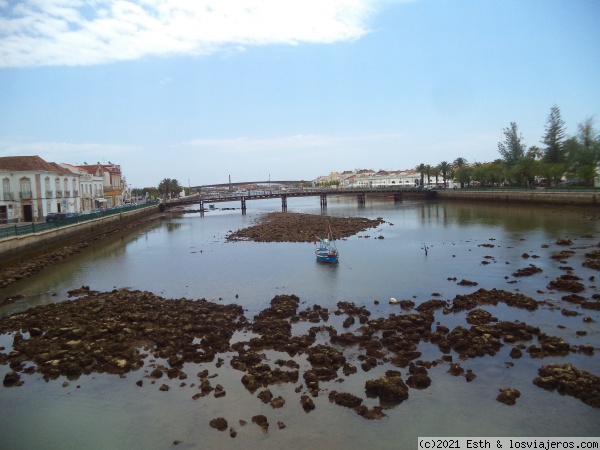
(27, 163)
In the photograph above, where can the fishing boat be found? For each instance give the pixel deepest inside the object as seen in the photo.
(326, 250)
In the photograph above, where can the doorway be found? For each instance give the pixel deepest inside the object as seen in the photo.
(27, 213)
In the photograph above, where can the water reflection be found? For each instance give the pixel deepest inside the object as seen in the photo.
(514, 218)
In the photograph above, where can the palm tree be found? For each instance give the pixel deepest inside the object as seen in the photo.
(458, 164)
(534, 152)
(428, 170)
(421, 169)
(444, 168)
(435, 172)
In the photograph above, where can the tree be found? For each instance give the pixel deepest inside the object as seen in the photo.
(512, 148)
(553, 173)
(435, 172)
(554, 137)
(534, 152)
(459, 162)
(421, 169)
(169, 187)
(444, 167)
(462, 176)
(586, 134)
(428, 172)
(583, 152)
(525, 171)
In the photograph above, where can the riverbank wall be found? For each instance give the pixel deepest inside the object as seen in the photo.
(533, 196)
(19, 247)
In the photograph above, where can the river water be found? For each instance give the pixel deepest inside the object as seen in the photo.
(188, 256)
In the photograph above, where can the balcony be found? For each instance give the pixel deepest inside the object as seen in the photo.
(48, 194)
(25, 195)
(75, 193)
(7, 196)
(67, 193)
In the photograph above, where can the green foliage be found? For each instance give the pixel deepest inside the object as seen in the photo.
(463, 175)
(525, 170)
(577, 158)
(583, 154)
(421, 168)
(554, 138)
(489, 173)
(512, 147)
(445, 169)
(169, 187)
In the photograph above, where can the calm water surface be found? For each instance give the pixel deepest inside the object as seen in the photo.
(188, 257)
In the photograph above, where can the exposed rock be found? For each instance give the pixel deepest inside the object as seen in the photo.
(568, 380)
(567, 283)
(297, 227)
(508, 396)
(261, 421)
(265, 396)
(307, 403)
(277, 402)
(564, 241)
(527, 271)
(219, 423)
(345, 399)
(389, 389)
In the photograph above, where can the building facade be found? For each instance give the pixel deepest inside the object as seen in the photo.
(31, 188)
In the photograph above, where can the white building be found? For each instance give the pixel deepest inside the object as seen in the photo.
(91, 192)
(31, 188)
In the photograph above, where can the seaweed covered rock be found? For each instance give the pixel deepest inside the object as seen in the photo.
(389, 389)
(508, 396)
(568, 380)
(567, 283)
(297, 227)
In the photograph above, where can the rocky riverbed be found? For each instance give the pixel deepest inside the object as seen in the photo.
(299, 227)
(123, 331)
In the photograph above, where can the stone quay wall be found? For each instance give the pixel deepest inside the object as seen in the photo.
(35, 243)
(534, 196)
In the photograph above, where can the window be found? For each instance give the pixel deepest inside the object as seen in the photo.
(25, 188)
(6, 194)
(48, 189)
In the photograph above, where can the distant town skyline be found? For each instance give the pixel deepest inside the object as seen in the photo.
(202, 91)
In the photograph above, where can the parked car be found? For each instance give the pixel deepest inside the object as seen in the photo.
(51, 217)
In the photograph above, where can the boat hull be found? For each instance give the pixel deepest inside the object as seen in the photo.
(325, 255)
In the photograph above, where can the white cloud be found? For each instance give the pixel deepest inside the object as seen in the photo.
(73, 32)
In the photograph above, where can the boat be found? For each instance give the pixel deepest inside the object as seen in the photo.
(326, 250)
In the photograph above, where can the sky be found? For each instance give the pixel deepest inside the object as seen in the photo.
(203, 90)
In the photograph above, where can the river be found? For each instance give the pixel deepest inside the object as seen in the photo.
(419, 253)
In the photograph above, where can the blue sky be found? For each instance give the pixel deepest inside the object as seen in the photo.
(203, 90)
